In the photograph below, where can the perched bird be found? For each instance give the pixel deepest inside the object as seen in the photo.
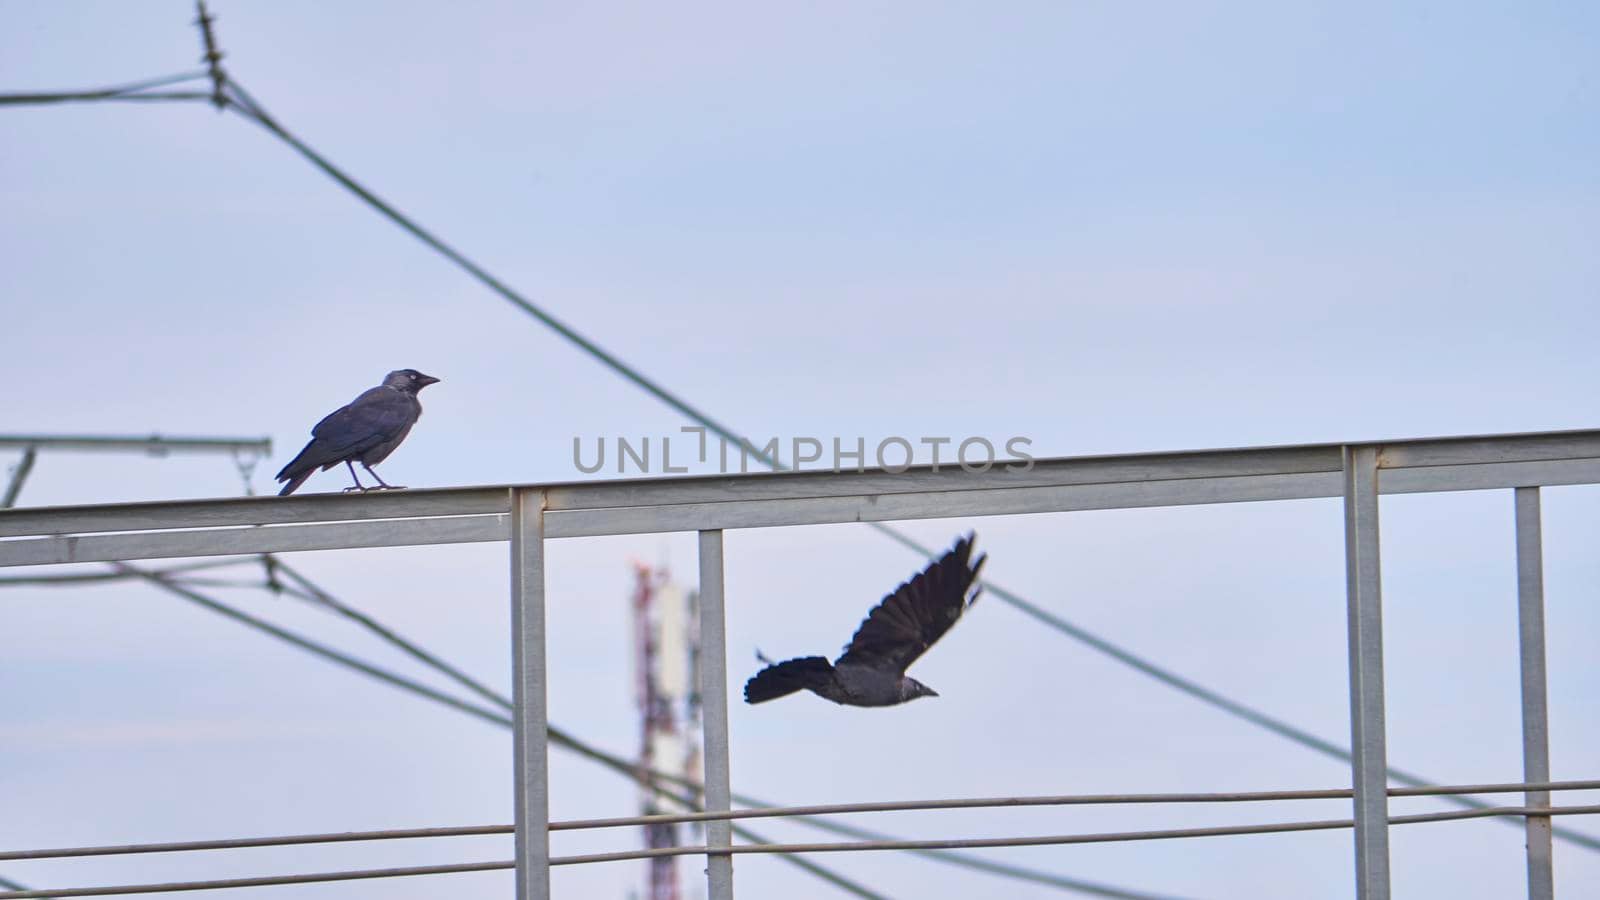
(366, 431)
(872, 669)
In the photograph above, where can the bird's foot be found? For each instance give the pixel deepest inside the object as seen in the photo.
(354, 488)
(390, 487)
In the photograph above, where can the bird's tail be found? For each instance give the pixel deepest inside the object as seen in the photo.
(783, 679)
(297, 470)
(295, 480)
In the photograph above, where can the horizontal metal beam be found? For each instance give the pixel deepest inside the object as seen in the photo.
(1453, 451)
(153, 444)
(934, 505)
(274, 539)
(239, 511)
(580, 509)
(1088, 470)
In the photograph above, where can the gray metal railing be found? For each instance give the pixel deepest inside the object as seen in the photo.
(526, 516)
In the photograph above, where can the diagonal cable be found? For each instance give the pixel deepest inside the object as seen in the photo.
(242, 102)
(311, 591)
(137, 90)
(416, 687)
(247, 106)
(657, 781)
(10, 885)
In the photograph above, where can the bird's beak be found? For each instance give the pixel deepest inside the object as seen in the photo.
(932, 692)
(426, 380)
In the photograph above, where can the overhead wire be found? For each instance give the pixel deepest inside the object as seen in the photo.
(1514, 812)
(10, 885)
(557, 736)
(252, 110)
(136, 90)
(241, 101)
(1235, 797)
(59, 578)
(316, 647)
(658, 781)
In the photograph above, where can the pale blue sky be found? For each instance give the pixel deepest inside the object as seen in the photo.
(1106, 227)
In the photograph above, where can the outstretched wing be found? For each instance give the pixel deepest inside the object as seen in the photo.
(919, 612)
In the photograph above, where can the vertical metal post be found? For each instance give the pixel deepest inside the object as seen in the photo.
(529, 742)
(1535, 719)
(1369, 760)
(714, 713)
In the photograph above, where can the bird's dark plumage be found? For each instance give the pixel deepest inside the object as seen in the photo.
(783, 679)
(366, 431)
(871, 671)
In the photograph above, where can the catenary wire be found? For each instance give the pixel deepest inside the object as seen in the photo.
(137, 90)
(252, 110)
(772, 812)
(656, 779)
(243, 102)
(557, 736)
(744, 849)
(132, 92)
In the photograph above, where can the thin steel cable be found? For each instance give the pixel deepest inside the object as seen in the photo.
(1206, 695)
(10, 885)
(334, 837)
(310, 591)
(262, 881)
(216, 582)
(556, 736)
(821, 809)
(1109, 837)
(148, 97)
(252, 110)
(256, 113)
(656, 780)
(743, 849)
(137, 90)
(93, 577)
(316, 594)
(830, 809)
(319, 649)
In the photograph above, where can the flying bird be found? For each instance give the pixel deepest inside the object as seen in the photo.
(872, 669)
(366, 431)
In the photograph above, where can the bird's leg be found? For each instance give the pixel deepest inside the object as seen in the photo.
(762, 657)
(358, 486)
(386, 485)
